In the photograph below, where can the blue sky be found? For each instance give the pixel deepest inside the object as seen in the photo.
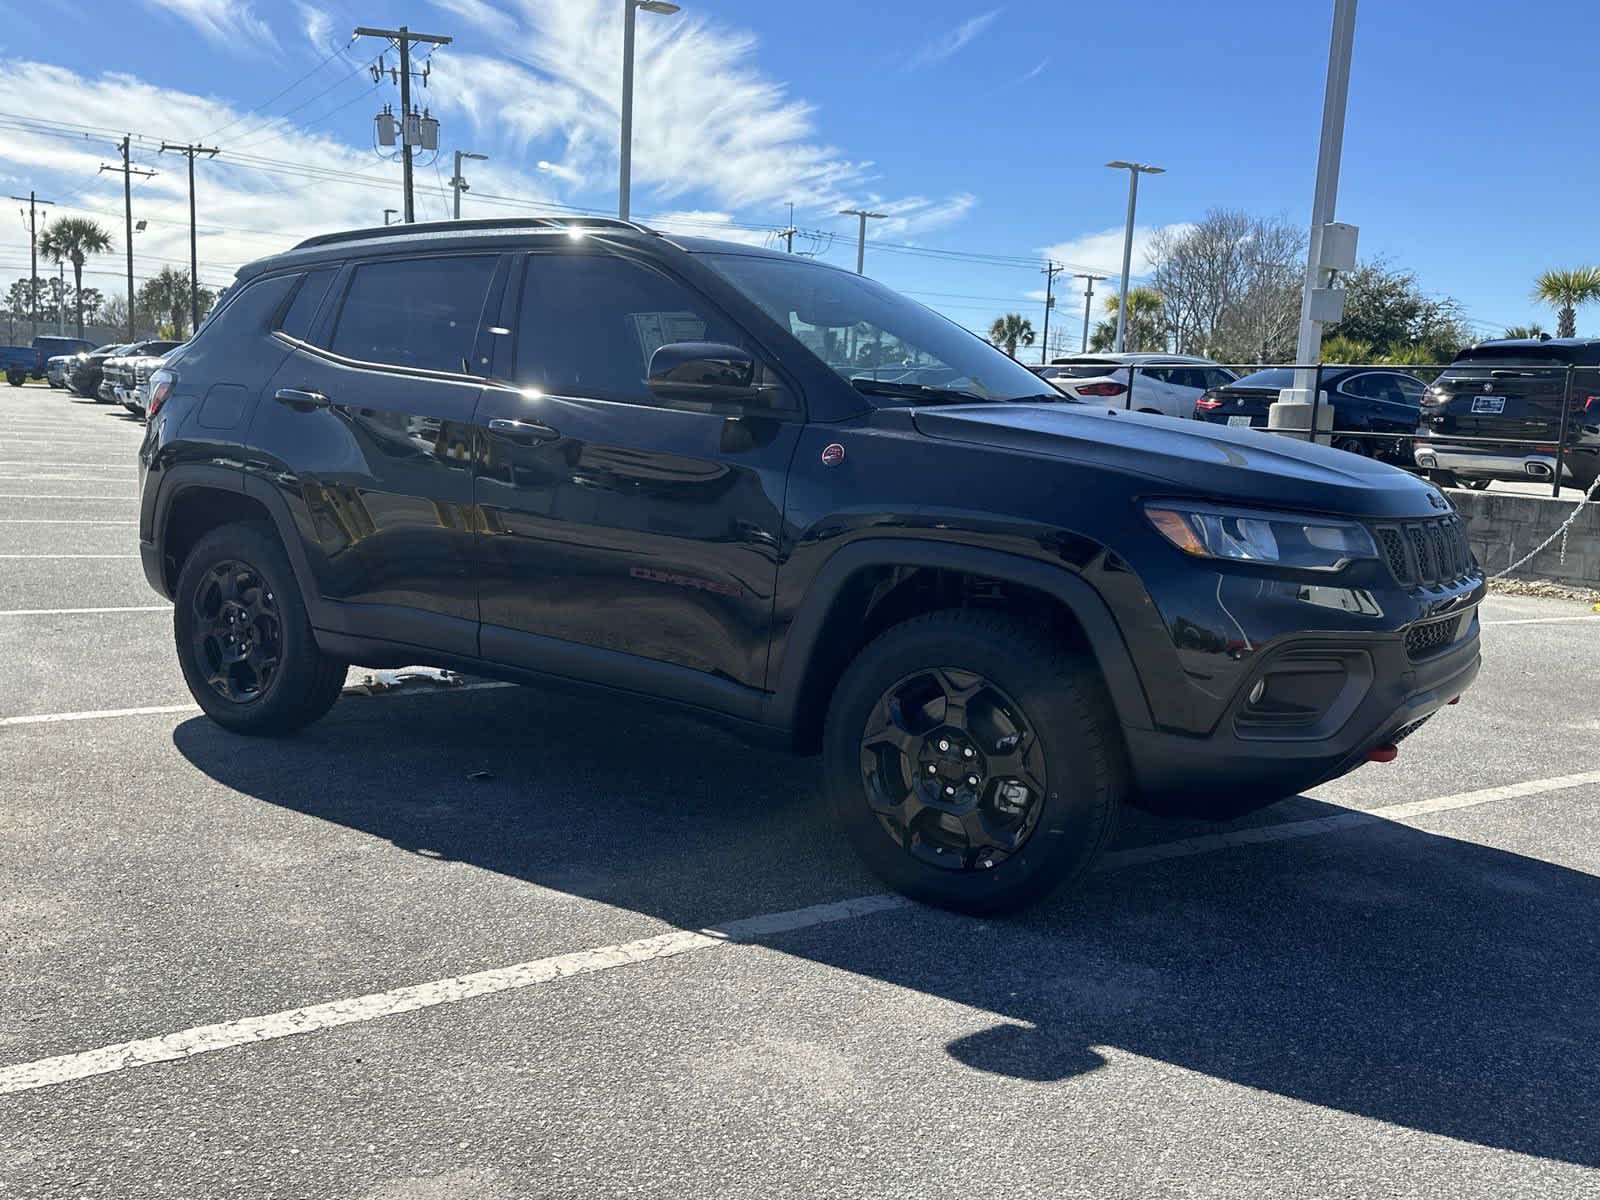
(980, 128)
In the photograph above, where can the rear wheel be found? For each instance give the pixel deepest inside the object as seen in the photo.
(244, 640)
(16, 378)
(973, 763)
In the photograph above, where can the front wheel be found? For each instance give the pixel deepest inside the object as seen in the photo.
(973, 763)
(244, 640)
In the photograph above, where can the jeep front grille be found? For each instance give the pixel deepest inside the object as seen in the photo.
(1427, 553)
(1430, 637)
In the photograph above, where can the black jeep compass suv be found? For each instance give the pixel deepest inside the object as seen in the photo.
(783, 495)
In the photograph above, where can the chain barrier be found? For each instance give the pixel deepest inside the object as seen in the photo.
(1561, 532)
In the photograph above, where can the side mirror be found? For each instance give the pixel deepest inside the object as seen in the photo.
(702, 371)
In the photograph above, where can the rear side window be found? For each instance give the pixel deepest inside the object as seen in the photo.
(415, 312)
(589, 323)
(302, 312)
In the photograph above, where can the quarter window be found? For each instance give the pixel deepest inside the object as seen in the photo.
(307, 300)
(415, 312)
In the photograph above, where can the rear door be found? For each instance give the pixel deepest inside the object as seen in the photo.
(367, 425)
(623, 531)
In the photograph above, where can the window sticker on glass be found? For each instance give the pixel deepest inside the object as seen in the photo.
(657, 329)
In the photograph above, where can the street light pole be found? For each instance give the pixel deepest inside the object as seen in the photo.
(861, 233)
(1134, 171)
(458, 184)
(625, 158)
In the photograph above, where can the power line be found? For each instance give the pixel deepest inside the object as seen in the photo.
(273, 99)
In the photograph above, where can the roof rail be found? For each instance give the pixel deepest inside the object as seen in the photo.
(472, 224)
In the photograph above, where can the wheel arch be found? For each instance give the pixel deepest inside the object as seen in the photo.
(871, 584)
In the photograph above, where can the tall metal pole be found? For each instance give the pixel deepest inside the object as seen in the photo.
(1127, 260)
(33, 258)
(1341, 45)
(625, 168)
(455, 187)
(127, 216)
(861, 233)
(190, 152)
(1088, 301)
(1049, 271)
(61, 299)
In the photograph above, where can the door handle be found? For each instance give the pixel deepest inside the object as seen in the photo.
(527, 432)
(301, 400)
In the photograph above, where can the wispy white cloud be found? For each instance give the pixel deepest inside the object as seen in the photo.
(318, 25)
(1102, 252)
(231, 24)
(1036, 72)
(709, 127)
(952, 40)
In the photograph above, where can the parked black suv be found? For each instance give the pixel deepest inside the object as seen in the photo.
(1365, 400)
(783, 495)
(1515, 389)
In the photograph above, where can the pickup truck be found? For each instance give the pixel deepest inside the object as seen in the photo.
(22, 362)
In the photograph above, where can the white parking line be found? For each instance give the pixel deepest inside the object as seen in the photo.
(81, 612)
(224, 1035)
(20, 462)
(1540, 620)
(119, 499)
(60, 521)
(69, 556)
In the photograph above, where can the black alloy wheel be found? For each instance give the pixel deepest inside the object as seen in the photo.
(952, 769)
(237, 633)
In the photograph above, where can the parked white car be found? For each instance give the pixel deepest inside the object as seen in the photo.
(1162, 383)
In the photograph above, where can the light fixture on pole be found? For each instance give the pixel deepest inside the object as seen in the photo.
(1134, 170)
(625, 165)
(861, 232)
(457, 183)
(387, 213)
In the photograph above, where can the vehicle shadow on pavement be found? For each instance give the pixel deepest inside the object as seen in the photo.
(1383, 971)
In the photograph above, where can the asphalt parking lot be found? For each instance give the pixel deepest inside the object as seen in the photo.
(487, 942)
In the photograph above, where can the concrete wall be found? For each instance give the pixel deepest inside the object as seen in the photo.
(1503, 527)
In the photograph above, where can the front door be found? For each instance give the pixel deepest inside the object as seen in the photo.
(625, 538)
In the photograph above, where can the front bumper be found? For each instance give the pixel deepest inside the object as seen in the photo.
(1386, 693)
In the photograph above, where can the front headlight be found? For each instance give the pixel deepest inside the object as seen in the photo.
(1252, 535)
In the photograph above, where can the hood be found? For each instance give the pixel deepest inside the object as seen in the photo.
(1192, 459)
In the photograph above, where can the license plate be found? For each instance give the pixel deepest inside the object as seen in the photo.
(1488, 404)
(1241, 421)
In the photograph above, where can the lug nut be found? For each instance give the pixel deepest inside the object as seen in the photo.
(972, 780)
(932, 770)
(967, 753)
(949, 791)
(943, 745)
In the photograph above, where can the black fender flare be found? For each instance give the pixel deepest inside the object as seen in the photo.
(186, 477)
(1070, 589)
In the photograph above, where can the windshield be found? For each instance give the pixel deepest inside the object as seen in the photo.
(872, 335)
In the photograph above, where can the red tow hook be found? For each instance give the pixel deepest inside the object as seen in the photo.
(1457, 700)
(1387, 752)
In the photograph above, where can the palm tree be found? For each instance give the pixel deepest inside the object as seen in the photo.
(74, 239)
(1535, 330)
(1341, 349)
(1146, 326)
(1010, 331)
(1565, 289)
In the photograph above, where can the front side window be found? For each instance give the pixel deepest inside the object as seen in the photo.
(415, 312)
(891, 348)
(589, 322)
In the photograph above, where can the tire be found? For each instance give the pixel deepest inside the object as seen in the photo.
(241, 572)
(16, 378)
(1031, 691)
(1352, 445)
(1476, 485)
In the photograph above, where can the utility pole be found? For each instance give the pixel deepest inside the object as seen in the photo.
(128, 172)
(1049, 271)
(194, 258)
(861, 233)
(61, 302)
(33, 259)
(788, 234)
(459, 184)
(1088, 299)
(402, 38)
